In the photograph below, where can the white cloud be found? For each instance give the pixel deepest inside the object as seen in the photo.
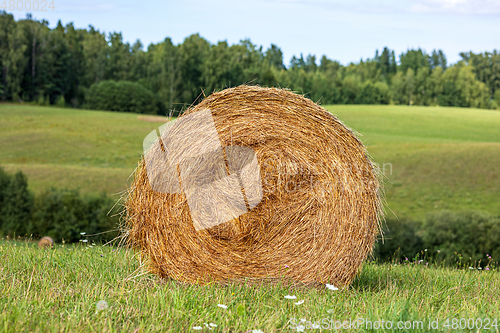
(486, 7)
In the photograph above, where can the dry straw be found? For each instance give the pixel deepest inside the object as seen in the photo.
(45, 241)
(320, 211)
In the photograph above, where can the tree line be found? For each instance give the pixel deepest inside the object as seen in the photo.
(73, 67)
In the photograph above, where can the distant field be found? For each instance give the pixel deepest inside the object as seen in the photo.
(91, 150)
(441, 158)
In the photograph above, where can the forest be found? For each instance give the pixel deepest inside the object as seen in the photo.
(86, 68)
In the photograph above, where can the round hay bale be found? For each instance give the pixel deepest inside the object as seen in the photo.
(45, 241)
(312, 214)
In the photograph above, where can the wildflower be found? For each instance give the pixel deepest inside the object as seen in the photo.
(471, 268)
(286, 266)
(290, 297)
(299, 302)
(210, 326)
(222, 306)
(257, 331)
(84, 240)
(426, 264)
(82, 233)
(479, 268)
(425, 250)
(102, 305)
(102, 255)
(232, 294)
(487, 268)
(406, 259)
(439, 251)
(331, 287)
(198, 328)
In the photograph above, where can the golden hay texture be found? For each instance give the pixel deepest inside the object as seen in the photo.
(45, 241)
(320, 211)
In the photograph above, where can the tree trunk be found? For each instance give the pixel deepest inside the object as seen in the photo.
(171, 85)
(33, 68)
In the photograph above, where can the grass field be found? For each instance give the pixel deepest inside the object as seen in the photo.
(57, 291)
(434, 157)
(91, 150)
(440, 158)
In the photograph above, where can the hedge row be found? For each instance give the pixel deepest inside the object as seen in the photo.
(444, 236)
(60, 214)
(64, 214)
(122, 96)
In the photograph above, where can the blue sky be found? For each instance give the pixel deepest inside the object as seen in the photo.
(342, 30)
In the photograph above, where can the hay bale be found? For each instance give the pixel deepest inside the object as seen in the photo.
(319, 208)
(45, 242)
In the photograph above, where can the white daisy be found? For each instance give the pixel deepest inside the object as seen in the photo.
(101, 305)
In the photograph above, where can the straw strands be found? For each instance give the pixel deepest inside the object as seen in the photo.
(287, 191)
(45, 241)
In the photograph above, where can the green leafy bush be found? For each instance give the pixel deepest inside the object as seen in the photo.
(471, 235)
(443, 236)
(15, 203)
(65, 214)
(373, 93)
(401, 239)
(60, 214)
(121, 96)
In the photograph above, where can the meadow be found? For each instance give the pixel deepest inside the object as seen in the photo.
(433, 158)
(58, 290)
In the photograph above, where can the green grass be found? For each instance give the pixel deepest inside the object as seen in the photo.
(441, 158)
(56, 290)
(91, 150)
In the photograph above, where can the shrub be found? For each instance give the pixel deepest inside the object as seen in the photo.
(373, 93)
(121, 96)
(64, 214)
(56, 213)
(401, 239)
(60, 102)
(470, 234)
(15, 203)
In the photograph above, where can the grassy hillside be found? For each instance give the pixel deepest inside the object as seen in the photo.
(57, 291)
(91, 150)
(441, 158)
